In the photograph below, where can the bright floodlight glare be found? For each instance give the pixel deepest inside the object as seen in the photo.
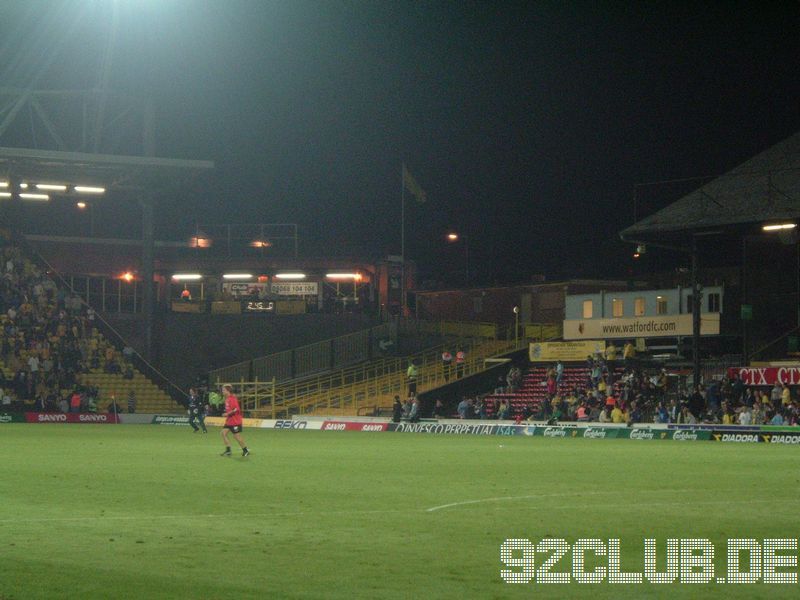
(127, 276)
(343, 276)
(290, 276)
(81, 205)
(452, 237)
(5, 194)
(239, 276)
(23, 185)
(200, 242)
(86, 189)
(187, 276)
(779, 226)
(3, 184)
(34, 196)
(51, 186)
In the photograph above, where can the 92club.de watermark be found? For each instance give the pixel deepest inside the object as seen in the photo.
(679, 560)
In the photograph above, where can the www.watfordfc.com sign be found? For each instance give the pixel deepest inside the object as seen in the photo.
(662, 326)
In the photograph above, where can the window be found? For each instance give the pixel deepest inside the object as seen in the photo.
(617, 307)
(713, 303)
(638, 307)
(588, 307)
(661, 305)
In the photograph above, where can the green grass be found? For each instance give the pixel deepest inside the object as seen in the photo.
(89, 511)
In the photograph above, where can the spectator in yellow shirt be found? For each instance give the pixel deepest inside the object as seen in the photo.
(618, 416)
(786, 395)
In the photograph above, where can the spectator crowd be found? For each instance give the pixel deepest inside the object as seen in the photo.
(48, 339)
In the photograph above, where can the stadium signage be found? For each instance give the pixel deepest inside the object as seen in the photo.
(554, 432)
(579, 350)
(306, 288)
(170, 420)
(456, 428)
(258, 306)
(639, 327)
(642, 434)
(245, 290)
(68, 418)
(290, 424)
(683, 435)
(766, 375)
(742, 438)
(353, 426)
(11, 418)
(782, 438)
(597, 433)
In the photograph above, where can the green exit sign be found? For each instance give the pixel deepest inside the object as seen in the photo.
(747, 312)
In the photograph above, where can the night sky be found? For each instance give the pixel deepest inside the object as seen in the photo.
(528, 124)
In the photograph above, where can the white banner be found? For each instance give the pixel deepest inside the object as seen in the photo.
(639, 327)
(295, 288)
(246, 290)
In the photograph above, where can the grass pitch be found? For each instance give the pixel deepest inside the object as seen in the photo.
(90, 511)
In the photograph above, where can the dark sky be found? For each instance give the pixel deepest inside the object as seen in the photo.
(528, 124)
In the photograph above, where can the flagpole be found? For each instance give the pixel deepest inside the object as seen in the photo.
(402, 241)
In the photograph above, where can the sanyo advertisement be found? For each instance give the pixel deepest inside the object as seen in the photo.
(644, 327)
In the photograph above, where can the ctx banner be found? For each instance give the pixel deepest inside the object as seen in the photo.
(766, 375)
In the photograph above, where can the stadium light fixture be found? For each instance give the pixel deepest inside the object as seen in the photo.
(28, 196)
(187, 276)
(5, 194)
(3, 184)
(290, 276)
(89, 189)
(81, 205)
(127, 276)
(51, 187)
(200, 242)
(260, 244)
(779, 227)
(23, 186)
(353, 276)
(237, 276)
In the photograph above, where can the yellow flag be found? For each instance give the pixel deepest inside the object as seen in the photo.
(412, 186)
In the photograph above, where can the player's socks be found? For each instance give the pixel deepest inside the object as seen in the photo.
(245, 451)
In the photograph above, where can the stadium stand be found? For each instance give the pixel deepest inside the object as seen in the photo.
(533, 393)
(52, 346)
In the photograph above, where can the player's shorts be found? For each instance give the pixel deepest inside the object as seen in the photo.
(233, 428)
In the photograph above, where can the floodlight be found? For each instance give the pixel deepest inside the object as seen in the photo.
(51, 187)
(239, 276)
(87, 189)
(187, 276)
(290, 276)
(44, 197)
(779, 227)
